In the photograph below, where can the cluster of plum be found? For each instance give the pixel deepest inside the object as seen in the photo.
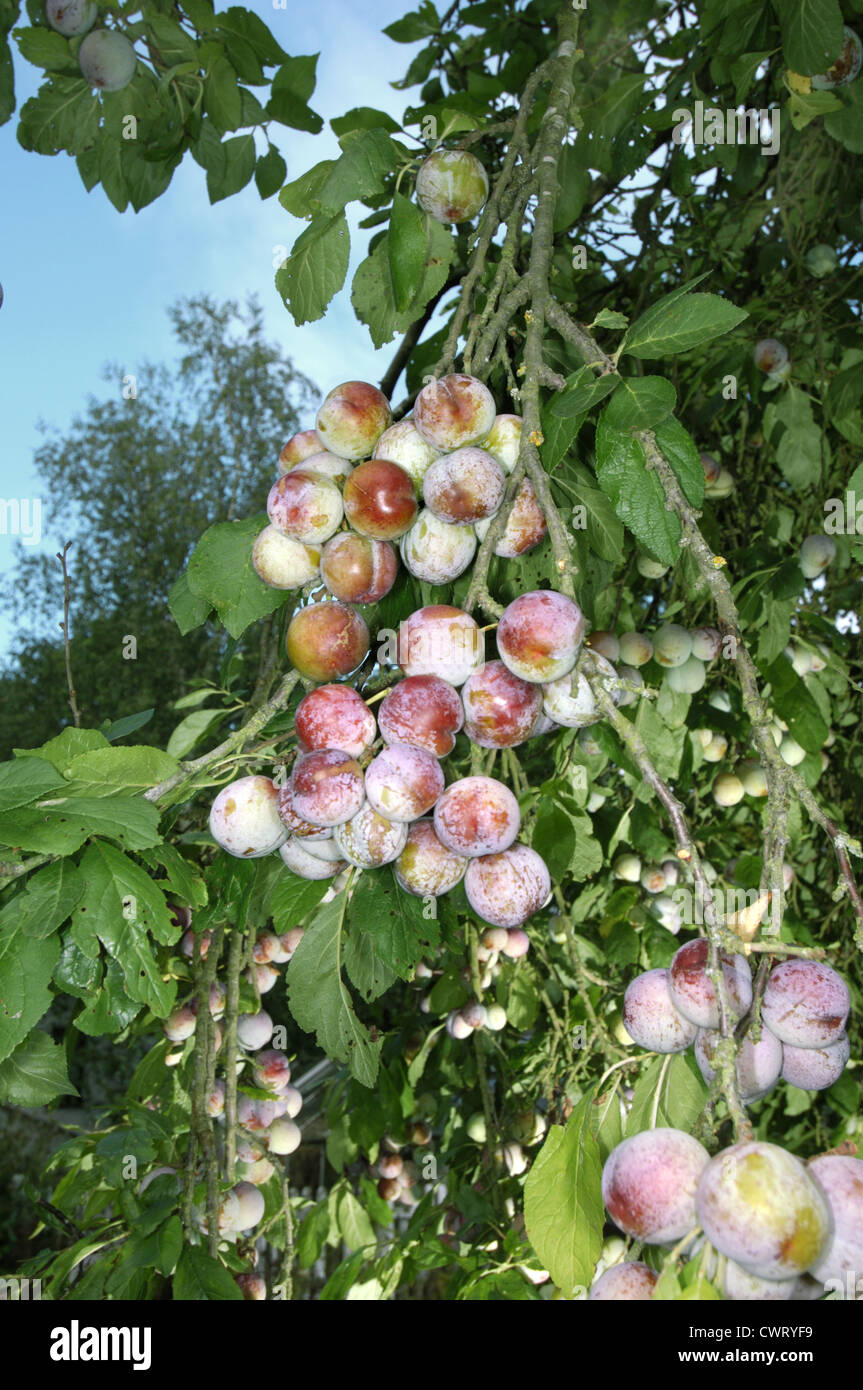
(803, 1012)
(398, 1174)
(106, 57)
(352, 486)
(769, 1219)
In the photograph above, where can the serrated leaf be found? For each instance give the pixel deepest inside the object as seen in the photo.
(316, 268)
(199, 1277)
(220, 571)
(320, 1001)
(563, 1210)
(583, 390)
(679, 448)
(26, 967)
(35, 1073)
(812, 32)
(635, 492)
(108, 771)
(48, 898)
(640, 403)
(191, 729)
(394, 920)
(188, 609)
(293, 898)
(406, 249)
(676, 324)
(25, 780)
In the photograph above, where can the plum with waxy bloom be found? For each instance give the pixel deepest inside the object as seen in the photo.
(424, 711)
(539, 635)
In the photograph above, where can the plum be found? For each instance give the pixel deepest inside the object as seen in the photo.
(649, 1184)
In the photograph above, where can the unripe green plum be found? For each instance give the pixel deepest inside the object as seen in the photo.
(507, 888)
(299, 447)
(649, 1183)
(633, 677)
(649, 568)
(282, 561)
(815, 1068)
(711, 467)
(821, 260)
(692, 990)
(293, 1101)
(327, 787)
(326, 640)
(476, 1129)
(653, 879)
(668, 911)
(352, 419)
(454, 412)
(477, 816)
(357, 569)
(244, 818)
(380, 500)
(403, 444)
(816, 553)
(627, 867)
(423, 711)
(495, 1017)
(687, 679)
(525, 525)
(605, 643)
(254, 1030)
(727, 789)
(770, 355)
(369, 839)
(649, 1015)
(753, 777)
(334, 716)
(806, 1003)
(846, 67)
(440, 641)
(283, 1136)
(403, 782)
(672, 645)
(500, 709)
(758, 1064)
(436, 550)
(452, 186)
(425, 866)
(71, 17)
(790, 751)
(570, 700)
(631, 1281)
(840, 1178)
(758, 1205)
(723, 487)
(503, 441)
(635, 649)
(721, 700)
(295, 855)
(107, 60)
(306, 506)
(714, 750)
(539, 636)
(529, 1127)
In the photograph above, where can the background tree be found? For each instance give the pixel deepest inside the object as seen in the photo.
(133, 483)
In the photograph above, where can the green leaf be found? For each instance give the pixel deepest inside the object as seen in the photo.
(363, 118)
(220, 571)
(680, 449)
(26, 967)
(240, 23)
(365, 968)
(292, 86)
(107, 771)
(372, 292)
(406, 247)
(222, 95)
(680, 322)
(122, 908)
(804, 107)
(120, 728)
(45, 48)
(315, 269)
(682, 1094)
(63, 826)
(301, 196)
(320, 1002)
(583, 390)
(270, 172)
(360, 172)
(636, 493)
(61, 750)
(353, 1221)
(812, 32)
(234, 170)
(184, 877)
(394, 920)
(48, 898)
(563, 1210)
(35, 1073)
(554, 838)
(25, 780)
(313, 1235)
(293, 898)
(110, 1009)
(845, 125)
(640, 403)
(419, 24)
(199, 1277)
(188, 609)
(798, 440)
(191, 729)
(64, 115)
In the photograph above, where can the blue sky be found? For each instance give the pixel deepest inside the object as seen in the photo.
(85, 285)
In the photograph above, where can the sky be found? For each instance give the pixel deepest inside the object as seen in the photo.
(85, 285)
